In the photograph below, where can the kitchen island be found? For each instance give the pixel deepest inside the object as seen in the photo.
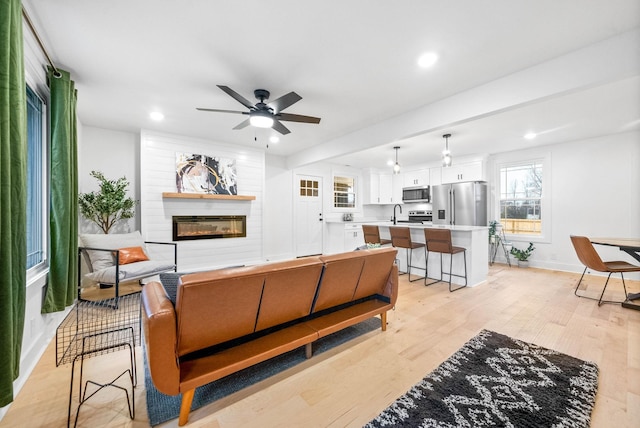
(474, 238)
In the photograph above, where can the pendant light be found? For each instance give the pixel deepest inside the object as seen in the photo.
(446, 154)
(396, 166)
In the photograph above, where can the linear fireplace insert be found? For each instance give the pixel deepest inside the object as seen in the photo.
(209, 227)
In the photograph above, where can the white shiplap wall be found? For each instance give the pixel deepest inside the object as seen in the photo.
(157, 175)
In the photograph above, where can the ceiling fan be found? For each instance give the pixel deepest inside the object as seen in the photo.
(266, 115)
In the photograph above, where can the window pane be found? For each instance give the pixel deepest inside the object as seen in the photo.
(35, 206)
(344, 195)
(308, 188)
(521, 198)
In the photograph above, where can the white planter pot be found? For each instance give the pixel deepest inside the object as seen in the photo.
(523, 264)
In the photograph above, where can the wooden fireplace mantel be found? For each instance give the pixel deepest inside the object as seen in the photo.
(205, 196)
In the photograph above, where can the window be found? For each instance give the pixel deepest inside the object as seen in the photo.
(521, 207)
(36, 180)
(309, 188)
(344, 192)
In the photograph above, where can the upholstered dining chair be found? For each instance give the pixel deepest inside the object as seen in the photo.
(372, 235)
(590, 258)
(401, 238)
(439, 241)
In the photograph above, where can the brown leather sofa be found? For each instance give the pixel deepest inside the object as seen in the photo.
(227, 320)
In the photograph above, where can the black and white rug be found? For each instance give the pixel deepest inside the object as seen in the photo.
(497, 381)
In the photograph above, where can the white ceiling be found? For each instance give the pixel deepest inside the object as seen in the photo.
(353, 62)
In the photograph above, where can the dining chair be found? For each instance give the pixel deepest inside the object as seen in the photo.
(401, 238)
(439, 241)
(590, 258)
(372, 235)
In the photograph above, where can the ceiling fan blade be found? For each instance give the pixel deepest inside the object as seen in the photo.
(236, 96)
(284, 101)
(298, 118)
(280, 127)
(242, 124)
(220, 111)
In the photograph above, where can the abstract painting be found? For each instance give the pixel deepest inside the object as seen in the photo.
(205, 174)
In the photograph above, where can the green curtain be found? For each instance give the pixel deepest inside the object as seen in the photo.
(13, 195)
(63, 218)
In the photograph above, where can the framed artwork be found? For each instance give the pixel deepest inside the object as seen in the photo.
(205, 174)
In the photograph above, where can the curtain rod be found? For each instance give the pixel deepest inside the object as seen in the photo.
(56, 73)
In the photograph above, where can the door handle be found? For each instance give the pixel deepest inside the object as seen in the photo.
(453, 207)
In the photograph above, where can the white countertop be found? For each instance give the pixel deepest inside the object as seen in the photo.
(387, 223)
(431, 226)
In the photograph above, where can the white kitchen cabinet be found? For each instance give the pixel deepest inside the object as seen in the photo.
(435, 176)
(416, 178)
(472, 171)
(381, 188)
(343, 236)
(396, 191)
(353, 237)
(371, 188)
(386, 189)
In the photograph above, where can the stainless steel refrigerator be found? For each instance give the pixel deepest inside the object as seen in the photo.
(461, 204)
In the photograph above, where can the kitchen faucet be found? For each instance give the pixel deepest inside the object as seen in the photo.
(394, 212)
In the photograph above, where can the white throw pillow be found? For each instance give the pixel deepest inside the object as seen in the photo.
(104, 259)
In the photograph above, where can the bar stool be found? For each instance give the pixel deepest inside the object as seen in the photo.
(372, 235)
(401, 238)
(439, 241)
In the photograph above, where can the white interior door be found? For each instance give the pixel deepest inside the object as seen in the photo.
(308, 215)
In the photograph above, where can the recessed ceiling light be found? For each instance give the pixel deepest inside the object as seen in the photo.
(427, 59)
(530, 135)
(274, 139)
(156, 115)
(390, 162)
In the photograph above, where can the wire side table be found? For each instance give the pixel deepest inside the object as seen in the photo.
(95, 328)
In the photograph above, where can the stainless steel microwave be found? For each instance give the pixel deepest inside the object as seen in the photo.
(416, 194)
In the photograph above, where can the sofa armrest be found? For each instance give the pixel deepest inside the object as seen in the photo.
(160, 337)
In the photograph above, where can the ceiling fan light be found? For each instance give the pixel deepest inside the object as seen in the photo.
(261, 121)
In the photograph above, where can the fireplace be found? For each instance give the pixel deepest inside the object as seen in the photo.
(190, 227)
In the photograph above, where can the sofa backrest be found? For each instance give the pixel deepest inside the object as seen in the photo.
(288, 293)
(375, 272)
(339, 279)
(354, 275)
(216, 306)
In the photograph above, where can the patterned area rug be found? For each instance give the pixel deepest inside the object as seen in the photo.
(497, 381)
(161, 407)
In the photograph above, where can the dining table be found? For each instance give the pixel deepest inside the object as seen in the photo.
(630, 246)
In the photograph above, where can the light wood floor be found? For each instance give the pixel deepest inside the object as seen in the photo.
(351, 384)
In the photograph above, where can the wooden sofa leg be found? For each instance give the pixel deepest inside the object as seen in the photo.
(383, 321)
(308, 350)
(185, 406)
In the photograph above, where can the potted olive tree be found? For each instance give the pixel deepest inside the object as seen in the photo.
(523, 255)
(108, 205)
